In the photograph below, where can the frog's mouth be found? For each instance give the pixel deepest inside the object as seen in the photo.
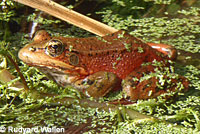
(49, 68)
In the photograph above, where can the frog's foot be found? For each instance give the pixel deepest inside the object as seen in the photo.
(98, 84)
(140, 86)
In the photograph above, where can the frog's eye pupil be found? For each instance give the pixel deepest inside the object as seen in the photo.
(54, 48)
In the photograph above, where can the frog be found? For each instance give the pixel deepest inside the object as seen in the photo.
(97, 66)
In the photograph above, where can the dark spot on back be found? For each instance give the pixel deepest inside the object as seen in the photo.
(90, 54)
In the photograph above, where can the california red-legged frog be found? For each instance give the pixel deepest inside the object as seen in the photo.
(98, 65)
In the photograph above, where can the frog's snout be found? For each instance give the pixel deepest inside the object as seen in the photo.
(22, 54)
(26, 55)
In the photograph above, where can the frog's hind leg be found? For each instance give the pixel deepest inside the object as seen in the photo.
(144, 83)
(98, 84)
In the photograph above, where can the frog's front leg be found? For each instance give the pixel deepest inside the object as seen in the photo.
(98, 84)
(144, 83)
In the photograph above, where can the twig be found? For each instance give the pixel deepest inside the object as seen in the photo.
(26, 88)
(70, 16)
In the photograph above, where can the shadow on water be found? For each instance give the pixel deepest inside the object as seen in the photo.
(188, 58)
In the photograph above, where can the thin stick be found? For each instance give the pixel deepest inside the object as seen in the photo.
(70, 16)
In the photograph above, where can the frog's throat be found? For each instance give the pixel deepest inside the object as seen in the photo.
(59, 76)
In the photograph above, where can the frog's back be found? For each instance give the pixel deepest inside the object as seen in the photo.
(119, 53)
(118, 41)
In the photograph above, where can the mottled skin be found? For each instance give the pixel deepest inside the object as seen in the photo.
(97, 65)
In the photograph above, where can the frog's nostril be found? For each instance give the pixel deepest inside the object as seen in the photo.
(33, 49)
(25, 54)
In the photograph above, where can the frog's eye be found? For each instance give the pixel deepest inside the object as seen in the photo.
(54, 48)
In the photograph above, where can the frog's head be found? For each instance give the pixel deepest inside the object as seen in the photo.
(46, 52)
